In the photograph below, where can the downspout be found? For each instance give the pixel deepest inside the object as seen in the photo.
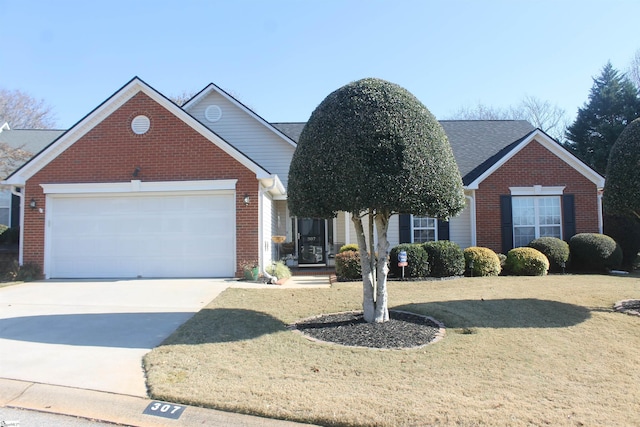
(262, 192)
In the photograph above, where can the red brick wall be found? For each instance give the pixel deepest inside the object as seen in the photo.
(533, 165)
(169, 151)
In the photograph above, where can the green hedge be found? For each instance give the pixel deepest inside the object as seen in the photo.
(445, 258)
(526, 262)
(349, 247)
(556, 251)
(348, 265)
(417, 258)
(485, 261)
(592, 252)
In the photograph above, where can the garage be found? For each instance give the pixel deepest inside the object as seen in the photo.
(142, 232)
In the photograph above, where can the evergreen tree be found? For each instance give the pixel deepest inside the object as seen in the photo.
(613, 103)
(372, 149)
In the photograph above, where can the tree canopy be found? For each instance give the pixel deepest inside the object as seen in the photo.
(372, 144)
(21, 111)
(622, 187)
(613, 103)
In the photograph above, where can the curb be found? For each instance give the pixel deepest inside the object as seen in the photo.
(117, 408)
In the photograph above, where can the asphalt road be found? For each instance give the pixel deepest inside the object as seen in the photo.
(10, 417)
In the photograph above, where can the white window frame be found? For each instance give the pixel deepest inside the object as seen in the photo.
(537, 193)
(414, 228)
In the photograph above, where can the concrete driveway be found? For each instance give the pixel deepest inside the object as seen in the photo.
(93, 334)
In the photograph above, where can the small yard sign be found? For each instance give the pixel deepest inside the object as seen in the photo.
(402, 259)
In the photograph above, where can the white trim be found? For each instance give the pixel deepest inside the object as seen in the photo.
(136, 186)
(551, 145)
(537, 190)
(134, 87)
(600, 214)
(213, 88)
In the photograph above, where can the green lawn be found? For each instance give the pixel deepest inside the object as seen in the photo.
(517, 351)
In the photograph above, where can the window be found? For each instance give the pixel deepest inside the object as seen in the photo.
(424, 229)
(535, 217)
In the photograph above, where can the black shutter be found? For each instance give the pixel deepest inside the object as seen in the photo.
(568, 216)
(506, 223)
(443, 229)
(405, 228)
(15, 211)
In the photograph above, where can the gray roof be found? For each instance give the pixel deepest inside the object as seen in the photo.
(476, 144)
(31, 140)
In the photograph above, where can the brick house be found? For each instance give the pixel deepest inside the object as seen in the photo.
(141, 187)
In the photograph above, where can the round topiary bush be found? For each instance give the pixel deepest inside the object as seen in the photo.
(445, 258)
(348, 265)
(593, 252)
(417, 259)
(485, 261)
(526, 262)
(556, 251)
(349, 247)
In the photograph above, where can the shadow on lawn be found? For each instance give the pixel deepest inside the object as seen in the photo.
(502, 313)
(225, 325)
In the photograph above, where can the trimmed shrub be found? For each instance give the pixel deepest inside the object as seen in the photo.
(503, 260)
(445, 258)
(485, 261)
(593, 252)
(348, 265)
(349, 247)
(556, 251)
(279, 270)
(417, 258)
(28, 272)
(526, 261)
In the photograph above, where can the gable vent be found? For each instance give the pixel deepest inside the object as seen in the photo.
(213, 113)
(140, 124)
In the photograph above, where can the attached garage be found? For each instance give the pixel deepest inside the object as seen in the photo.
(140, 229)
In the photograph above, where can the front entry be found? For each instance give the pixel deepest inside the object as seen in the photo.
(311, 241)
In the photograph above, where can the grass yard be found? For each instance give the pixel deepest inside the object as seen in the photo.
(517, 351)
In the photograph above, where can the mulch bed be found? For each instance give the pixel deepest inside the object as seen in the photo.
(403, 330)
(629, 306)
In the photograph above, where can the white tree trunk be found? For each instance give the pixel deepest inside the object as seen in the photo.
(368, 304)
(382, 309)
(374, 294)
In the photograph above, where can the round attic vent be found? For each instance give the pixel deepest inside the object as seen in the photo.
(213, 113)
(140, 124)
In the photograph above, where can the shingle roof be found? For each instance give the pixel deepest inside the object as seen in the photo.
(30, 140)
(476, 144)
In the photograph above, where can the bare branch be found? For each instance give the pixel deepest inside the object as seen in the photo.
(22, 111)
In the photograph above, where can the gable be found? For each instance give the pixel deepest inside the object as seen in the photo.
(170, 150)
(153, 100)
(551, 147)
(243, 129)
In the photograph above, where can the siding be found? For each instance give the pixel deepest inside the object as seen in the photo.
(247, 134)
(460, 227)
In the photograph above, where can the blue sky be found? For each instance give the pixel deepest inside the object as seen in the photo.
(282, 57)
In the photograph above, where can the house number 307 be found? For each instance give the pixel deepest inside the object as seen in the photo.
(163, 409)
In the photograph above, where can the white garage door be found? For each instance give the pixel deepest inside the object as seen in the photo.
(121, 236)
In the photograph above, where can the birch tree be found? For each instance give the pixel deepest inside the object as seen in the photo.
(373, 150)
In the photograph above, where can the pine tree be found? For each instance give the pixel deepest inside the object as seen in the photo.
(613, 103)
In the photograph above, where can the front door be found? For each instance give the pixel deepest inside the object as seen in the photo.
(311, 241)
